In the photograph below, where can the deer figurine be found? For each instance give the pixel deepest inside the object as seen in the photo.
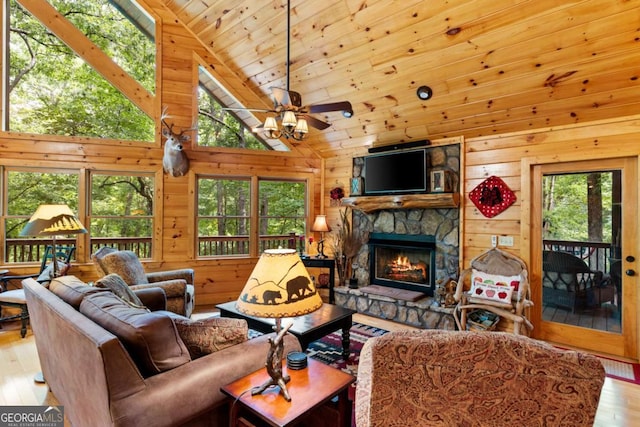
(174, 160)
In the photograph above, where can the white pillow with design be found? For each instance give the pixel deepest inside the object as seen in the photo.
(495, 287)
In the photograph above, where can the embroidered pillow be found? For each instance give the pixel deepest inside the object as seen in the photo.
(212, 334)
(495, 287)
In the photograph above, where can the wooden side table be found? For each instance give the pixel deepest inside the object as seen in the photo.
(310, 388)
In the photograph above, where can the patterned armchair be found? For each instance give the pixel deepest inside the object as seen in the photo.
(447, 378)
(177, 284)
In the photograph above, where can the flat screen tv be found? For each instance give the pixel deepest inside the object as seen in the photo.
(396, 172)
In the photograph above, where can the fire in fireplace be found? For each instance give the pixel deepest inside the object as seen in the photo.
(403, 261)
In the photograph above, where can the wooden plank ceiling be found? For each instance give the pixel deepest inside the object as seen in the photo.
(495, 66)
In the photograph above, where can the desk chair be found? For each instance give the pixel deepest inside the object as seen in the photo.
(15, 298)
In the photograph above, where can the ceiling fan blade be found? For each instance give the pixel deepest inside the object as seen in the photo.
(332, 106)
(318, 124)
(286, 97)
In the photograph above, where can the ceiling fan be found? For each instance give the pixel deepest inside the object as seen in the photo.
(288, 108)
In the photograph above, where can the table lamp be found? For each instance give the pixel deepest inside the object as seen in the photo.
(53, 220)
(278, 287)
(320, 224)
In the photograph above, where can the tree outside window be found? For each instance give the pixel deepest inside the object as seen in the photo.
(53, 91)
(121, 213)
(26, 190)
(224, 214)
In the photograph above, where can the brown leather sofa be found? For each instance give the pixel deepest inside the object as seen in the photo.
(100, 383)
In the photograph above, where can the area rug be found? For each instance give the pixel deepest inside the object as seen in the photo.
(328, 349)
(623, 371)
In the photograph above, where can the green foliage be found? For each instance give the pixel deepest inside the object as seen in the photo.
(27, 190)
(220, 128)
(565, 214)
(53, 91)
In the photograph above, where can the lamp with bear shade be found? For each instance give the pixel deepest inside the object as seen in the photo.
(279, 287)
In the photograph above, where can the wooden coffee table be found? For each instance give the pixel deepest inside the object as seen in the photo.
(307, 328)
(311, 389)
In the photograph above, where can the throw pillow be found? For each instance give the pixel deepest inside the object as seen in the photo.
(121, 289)
(151, 338)
(127, 265)
(212, 334)
(495, 287)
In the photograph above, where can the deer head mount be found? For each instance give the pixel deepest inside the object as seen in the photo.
(174, 161)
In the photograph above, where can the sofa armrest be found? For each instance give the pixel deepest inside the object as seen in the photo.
(171, 288)
(197, 384)
(185, 274)
(153, 298)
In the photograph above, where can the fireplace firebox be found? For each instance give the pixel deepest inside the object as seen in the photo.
(403, 261)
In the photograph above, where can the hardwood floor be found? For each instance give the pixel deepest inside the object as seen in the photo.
(619, 401)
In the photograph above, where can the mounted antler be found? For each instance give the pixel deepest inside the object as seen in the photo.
(174, 161)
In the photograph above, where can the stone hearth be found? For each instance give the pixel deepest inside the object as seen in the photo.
(425, 313)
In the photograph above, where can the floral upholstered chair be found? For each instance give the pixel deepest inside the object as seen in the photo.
(177, 284)
(459, 378)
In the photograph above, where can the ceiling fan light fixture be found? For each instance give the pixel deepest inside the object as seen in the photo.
(289, 120)
(347, 113)
(270, 128)
(424, 92)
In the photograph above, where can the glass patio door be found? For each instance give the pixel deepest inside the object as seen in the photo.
(584, 250)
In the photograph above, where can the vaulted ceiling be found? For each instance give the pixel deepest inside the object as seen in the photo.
(495, 66)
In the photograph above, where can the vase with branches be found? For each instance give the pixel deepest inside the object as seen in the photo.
(345, 245)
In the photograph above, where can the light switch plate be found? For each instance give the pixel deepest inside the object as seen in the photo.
(505, 240)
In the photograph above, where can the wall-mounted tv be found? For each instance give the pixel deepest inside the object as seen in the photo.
(396, 172)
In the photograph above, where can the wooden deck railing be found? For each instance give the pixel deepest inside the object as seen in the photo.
(32, 250)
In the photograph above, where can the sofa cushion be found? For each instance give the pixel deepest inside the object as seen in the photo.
(212, 334)
(118, 286)
(127, 265)
(72, 290)
(151, 338)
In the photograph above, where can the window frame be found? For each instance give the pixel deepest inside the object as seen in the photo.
(83, 241)
(255, 218)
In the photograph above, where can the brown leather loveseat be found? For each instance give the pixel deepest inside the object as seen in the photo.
(103, 380)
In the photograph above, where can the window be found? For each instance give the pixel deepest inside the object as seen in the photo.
(26, 190)
(121, 208)
(282, 211)
(218, 127)
(53, 91)
(122, 212)
(224, 214)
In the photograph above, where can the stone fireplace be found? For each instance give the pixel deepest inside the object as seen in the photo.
(413, 248)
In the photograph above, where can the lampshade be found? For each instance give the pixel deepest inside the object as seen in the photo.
(289, 119)
(320, 224)
(279, 286)
(53, 220)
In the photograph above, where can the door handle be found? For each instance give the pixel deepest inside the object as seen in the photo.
(630, 258)
(630, 272)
